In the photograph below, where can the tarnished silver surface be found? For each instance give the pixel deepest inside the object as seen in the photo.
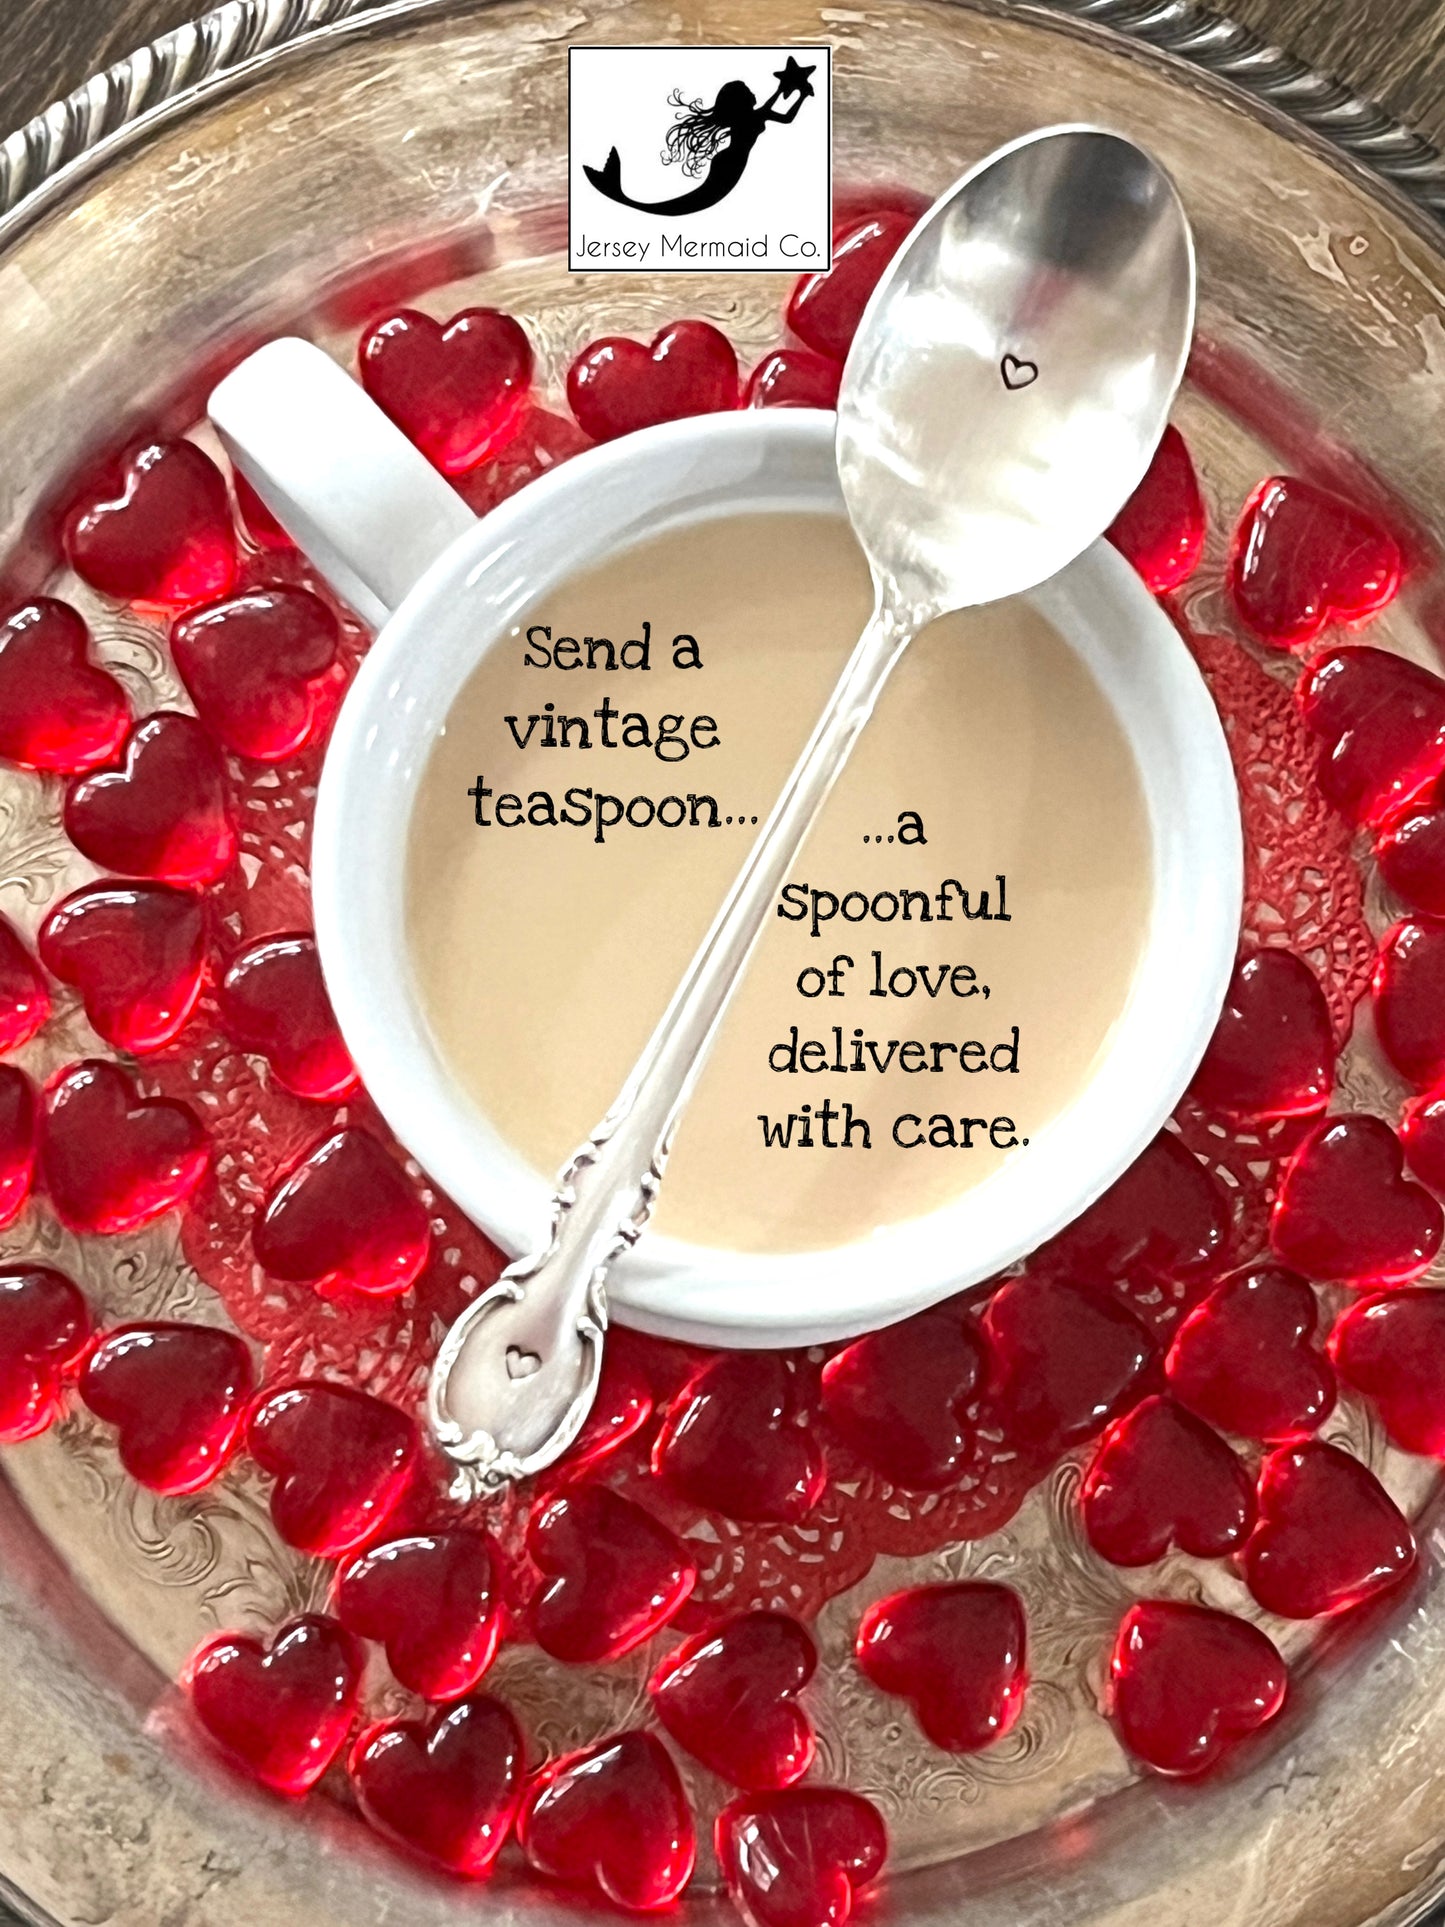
(383, 151)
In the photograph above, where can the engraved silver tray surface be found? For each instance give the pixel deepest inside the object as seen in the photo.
(252, 172)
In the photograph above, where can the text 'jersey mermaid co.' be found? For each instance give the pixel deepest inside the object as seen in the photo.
(682, 158)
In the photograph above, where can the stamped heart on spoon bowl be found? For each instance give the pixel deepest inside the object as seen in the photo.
(957, 1653)
(730, 1696)
(59, 710)
(280, 1712)
(112, 1160)
(1187, 1682)
(164, 812)
(613, 1817)
(165, 537)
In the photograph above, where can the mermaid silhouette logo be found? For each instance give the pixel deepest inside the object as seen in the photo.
(714, 143)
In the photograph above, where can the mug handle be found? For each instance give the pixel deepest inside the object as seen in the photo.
(357, 497)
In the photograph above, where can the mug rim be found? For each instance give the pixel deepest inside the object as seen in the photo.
(606, 499)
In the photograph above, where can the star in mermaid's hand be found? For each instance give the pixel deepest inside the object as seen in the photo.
(793, 79)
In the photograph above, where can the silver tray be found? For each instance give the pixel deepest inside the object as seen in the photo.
(238, 180)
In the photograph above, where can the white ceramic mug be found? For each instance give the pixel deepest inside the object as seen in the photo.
(403, 548)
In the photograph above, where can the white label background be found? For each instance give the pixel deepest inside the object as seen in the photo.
(618, 97)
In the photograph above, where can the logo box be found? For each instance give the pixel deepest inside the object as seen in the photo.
(689, 158)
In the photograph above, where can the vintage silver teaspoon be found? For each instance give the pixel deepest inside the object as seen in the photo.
(1006, 389)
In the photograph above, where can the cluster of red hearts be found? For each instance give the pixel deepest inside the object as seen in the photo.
(1174, 1333)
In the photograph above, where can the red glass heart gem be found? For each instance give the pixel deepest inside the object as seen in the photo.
(1392, 1349)
(1329, 1535)
(59, 710)
(24, 995)
(341, 1460)
(824, 309)
(260, 525)
(346, 1216)
(1067, 1360)
(1422, 1134)
(17, 1142)
(793, 378)
(165, 537)
(1346, 1214)
(613, 1817)
(1160, 529)
(1410, 851)
(1273, 1052)
(1303, 557)
(273, 1001)
(730, 1696)
(614, 1575)
(432, 1602)
(262, 670)
(731, 1441)
(900, 1398)
(447, 1788)
(44, 1328)
(1186, 1682)
(1165, 1218)
(1381, 724)
(616, 385)
(456, 388)
(622, 1407)
(112, 1160)
(164, 812)
(280, 1713)
(800, 1857)
(956, 1653)
(177, 1395)
(1245, 1359)
(1409, 997)
(1159, 1478)
(136, 952)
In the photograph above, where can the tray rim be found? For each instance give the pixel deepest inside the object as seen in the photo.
(225, 48)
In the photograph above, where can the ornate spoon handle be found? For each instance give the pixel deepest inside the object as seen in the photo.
(516, 1375)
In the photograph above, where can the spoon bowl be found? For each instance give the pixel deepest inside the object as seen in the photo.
(1013, 371)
